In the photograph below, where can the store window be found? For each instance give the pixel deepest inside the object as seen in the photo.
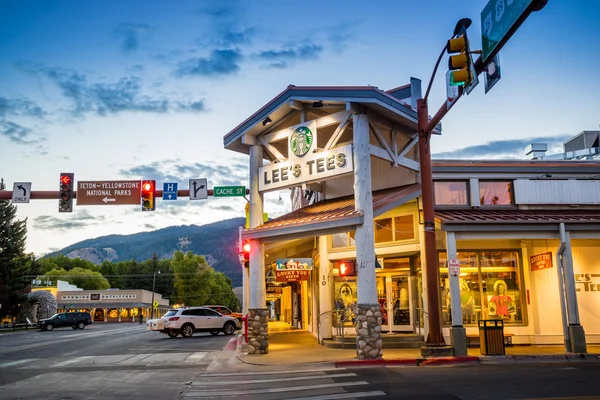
(496, 193)
(339, 240)
(451, 193)
(490, 287)
(383, 230)
(345, 301)
(404, 228)
(392, 229)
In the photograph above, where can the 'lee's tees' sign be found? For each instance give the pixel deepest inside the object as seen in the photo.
(91, 193)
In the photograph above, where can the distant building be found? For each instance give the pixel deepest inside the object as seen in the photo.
(583, 146)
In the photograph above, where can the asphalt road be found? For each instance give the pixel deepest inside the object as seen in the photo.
(116, 361)
(103, 361)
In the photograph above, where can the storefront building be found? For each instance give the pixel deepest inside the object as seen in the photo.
(347, 259)
(113, 305)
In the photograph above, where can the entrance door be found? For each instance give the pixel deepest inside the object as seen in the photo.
(397, 304)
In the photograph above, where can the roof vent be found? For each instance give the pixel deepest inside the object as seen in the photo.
(536, 150)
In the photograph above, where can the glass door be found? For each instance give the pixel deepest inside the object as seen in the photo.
(399, 307)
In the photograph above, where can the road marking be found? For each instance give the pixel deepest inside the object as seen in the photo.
(72, 361)
(240, 392)
(297, 378)
(298, 371)
(17, 362)
(342, 396)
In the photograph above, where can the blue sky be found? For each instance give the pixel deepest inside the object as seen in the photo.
(147, 90)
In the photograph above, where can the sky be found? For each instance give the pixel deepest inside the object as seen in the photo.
(113, 90)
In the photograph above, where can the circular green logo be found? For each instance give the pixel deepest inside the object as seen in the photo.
(301, 141)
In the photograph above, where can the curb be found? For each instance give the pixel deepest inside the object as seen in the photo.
(408, 361)
(231, 344)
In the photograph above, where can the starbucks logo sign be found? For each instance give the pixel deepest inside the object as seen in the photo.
(301, 141)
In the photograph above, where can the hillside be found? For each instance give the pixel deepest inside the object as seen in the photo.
(217, 242)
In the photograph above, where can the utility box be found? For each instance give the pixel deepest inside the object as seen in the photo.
(491, 337)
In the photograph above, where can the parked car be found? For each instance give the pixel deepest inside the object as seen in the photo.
(226, 311)
(76, 320)
(186, 321)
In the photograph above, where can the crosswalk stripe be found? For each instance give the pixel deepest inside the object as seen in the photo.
(71, 361)
(297, 378)
(239, 392)
(17, 362)
(342, 396)
(298, 371)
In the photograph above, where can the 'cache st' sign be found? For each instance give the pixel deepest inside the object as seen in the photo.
(92, 193)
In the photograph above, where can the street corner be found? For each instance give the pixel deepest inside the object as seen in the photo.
(232, 344)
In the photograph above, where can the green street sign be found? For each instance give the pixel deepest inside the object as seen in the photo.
(497, 20)
(229, 191)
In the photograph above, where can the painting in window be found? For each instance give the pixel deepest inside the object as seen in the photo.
(450, 193)
(495, 193)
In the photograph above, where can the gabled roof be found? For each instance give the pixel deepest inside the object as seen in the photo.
(331, 215)
(279, 107)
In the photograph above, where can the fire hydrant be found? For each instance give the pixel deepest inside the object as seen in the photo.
(245, 321)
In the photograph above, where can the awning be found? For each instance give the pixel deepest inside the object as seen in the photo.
(99, 304)
(330, 216)
(526, 220)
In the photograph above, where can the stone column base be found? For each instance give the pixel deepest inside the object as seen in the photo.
(258, 331)
(458, 338)
(577, 335)
(369, 342)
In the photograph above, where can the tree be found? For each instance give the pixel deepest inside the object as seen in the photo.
(15, 264)
(80, 277)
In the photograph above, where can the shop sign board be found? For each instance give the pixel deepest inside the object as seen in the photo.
(541, 261)
(90, 193)
(95, 296)
(305, 164)
(454, 267)
(288, 264)
(292, 275)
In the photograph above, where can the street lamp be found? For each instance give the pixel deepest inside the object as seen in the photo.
(153, 286)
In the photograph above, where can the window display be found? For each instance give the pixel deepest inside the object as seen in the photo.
(489, 287)
(345, 302)
(450, 193)
(495, 193)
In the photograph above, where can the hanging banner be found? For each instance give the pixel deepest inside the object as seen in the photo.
(541, 261)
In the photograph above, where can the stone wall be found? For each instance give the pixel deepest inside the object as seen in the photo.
(258, 331)
(369, 342)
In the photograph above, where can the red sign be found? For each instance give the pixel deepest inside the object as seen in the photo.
(541, 261)
(91, 193)
(291, 275)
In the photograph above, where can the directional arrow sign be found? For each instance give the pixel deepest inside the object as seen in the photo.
(21, 192)
(91, 193)
(198, 189)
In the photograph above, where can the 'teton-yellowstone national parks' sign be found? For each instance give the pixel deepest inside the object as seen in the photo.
(304, 164)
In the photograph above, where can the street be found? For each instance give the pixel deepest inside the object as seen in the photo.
(109, 361)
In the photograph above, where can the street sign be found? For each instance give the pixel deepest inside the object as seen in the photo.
(92, 193)
(498, 19)
(454, 267)
(155, 305)
(198, 189)
(169, 191)
(451, 91)
(492, 73)
(21, 192)
(229, 191)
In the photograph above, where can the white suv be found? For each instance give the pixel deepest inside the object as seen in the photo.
(198, 319)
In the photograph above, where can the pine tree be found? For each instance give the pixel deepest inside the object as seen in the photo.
(15, 264)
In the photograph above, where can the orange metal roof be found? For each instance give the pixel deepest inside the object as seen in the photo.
(518, 216)
(339, 208)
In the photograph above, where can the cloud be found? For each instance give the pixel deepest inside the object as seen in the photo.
(285, 58)
(130, 35)
(221, 8)
(512, 148)
(20, 106)
(20, 135)
(77, 220)
(150, 226)
(227, 36)
(220, 62)
(123, 95)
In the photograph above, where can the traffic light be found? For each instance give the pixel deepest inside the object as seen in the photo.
(148, 200)
(246, 253)
(65, 192)
(346, 268)
(459, 64)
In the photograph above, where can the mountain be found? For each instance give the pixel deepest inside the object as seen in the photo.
(217, 242)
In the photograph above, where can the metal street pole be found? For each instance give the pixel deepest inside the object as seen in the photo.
(153, 286)
(435, 336)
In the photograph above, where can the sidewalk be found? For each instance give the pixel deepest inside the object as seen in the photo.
(299, 349)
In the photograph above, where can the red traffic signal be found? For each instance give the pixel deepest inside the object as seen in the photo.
(346, 268)
(148, 198)
(65, 192)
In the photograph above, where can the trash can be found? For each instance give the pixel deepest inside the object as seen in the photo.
(491, 337)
